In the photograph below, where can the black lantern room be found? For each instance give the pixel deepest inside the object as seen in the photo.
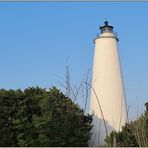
(106, 28)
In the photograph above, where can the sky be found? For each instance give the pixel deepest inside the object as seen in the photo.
(37, 39)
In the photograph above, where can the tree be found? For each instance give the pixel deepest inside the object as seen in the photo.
(8, 110)
(37, 117)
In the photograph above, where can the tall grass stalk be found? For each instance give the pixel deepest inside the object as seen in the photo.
(83, 90)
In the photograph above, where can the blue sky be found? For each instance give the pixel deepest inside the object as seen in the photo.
(36, 39)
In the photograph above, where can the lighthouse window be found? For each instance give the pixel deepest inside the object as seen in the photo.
(106, 29)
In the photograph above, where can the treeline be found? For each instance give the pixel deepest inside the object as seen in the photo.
(37, 117)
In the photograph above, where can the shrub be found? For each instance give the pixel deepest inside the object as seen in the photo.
(133, 134)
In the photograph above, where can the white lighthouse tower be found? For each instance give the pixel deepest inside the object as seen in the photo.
(107, 94)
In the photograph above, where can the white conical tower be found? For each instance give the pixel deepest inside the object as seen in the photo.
(107, 94)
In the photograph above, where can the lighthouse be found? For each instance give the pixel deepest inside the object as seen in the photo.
(107, 100)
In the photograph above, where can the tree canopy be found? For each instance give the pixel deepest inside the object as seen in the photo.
(37, 117)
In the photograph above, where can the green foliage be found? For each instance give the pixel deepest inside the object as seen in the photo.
(146, 120)
(36, 117)
(124, 138)
(133, 134)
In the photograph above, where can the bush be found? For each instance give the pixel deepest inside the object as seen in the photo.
(133, 134)
(125, 138)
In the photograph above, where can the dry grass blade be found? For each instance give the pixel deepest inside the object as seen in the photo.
(99, 107)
